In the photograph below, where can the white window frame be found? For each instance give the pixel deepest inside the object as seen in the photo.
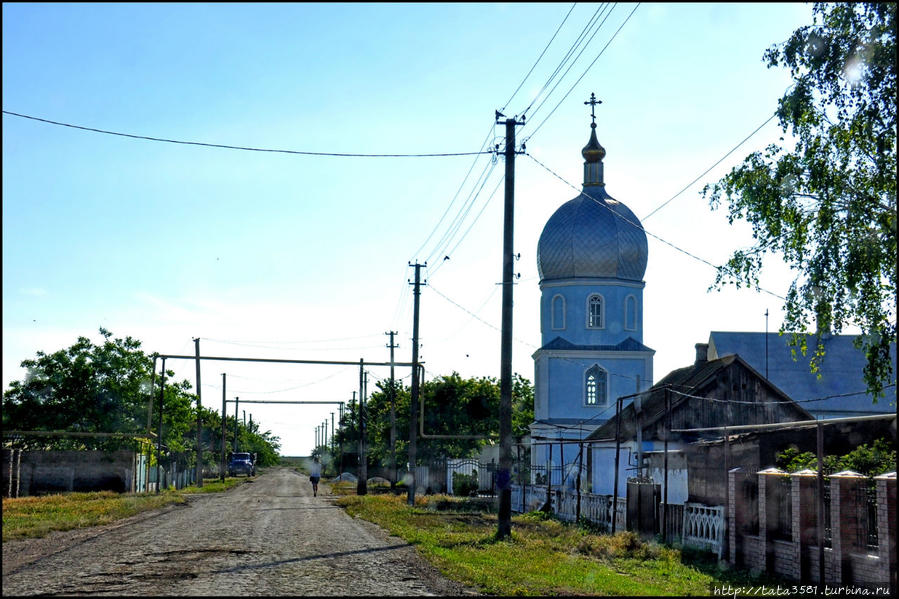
(602, 311)
(552, 312)
(601, 400)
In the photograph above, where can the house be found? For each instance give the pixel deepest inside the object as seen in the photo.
(839, 379)
(708, 393)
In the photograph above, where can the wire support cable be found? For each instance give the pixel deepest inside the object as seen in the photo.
(637, 226)
(245, 148)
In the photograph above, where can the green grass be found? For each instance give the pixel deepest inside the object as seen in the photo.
(25, 517)
(543, 557)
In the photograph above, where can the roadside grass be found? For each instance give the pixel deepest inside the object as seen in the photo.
(33, 517)
(544, 556)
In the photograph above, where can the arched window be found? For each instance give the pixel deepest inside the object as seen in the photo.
(595, 386)
(558, 312)
(595, 312)
(630, 313)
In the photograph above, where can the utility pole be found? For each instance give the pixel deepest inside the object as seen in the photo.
(236, 403)
(413, 408)
(332, 431)
(362, 481)
(244, 418)
(199, 418)
(224, 416)
(504, 477)
(392, 414)
(159, 430)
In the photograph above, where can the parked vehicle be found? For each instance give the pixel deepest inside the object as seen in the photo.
(241, 463)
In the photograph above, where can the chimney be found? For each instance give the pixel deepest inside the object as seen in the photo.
(702, 353)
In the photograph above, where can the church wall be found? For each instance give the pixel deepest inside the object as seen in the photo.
(565, 375)
(614, 294)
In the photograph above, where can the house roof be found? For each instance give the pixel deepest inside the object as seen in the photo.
(841, 370)
(688, 380)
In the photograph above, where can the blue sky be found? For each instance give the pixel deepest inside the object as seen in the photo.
(305, 257)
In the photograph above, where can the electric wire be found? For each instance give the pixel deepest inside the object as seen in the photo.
(790, 401)
(559, 28)
(691, 183)
(568, 54)
(637, 226)
(245, 148)
(601, 52)
(597, 29)
(470, 226)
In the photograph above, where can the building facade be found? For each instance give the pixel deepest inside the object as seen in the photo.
(591, 258)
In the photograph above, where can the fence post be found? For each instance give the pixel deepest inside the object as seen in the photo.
(886, 527)
(844, 521)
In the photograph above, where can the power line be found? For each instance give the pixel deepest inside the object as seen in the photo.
(637, 226)
(245, 148)
(690, 184)
(734, 401)
(601, 52)
(577, 43)
(539, 57)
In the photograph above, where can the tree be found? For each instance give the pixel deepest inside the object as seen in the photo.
(828, 205)
(105, 388)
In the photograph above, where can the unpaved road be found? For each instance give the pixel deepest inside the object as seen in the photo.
(267, 537)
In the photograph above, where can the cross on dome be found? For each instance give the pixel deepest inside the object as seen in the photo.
(593, 102)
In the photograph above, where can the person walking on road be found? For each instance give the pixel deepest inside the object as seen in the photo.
(315, 472)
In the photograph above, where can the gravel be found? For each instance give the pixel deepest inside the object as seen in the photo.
(266, 537)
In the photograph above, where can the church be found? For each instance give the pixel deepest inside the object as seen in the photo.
(591, 258)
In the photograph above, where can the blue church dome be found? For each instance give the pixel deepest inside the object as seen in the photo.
(593, 235)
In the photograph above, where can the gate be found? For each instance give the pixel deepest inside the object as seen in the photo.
(642, 503)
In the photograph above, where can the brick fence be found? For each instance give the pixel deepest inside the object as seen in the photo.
(862, 536)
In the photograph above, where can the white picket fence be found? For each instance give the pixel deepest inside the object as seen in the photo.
(703, 525)
(596, 508)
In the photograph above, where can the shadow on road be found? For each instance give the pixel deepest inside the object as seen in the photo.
(311, 557)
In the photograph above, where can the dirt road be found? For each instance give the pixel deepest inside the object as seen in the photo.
(267, 537)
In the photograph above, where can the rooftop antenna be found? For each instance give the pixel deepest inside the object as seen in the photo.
(766, 342)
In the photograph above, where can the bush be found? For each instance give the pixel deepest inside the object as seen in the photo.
(465, 484)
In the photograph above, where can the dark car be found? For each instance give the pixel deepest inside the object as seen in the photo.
(241, 463)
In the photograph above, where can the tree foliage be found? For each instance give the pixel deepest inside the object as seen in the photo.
(825, 200)
(452, 406)
(106, 388)
(870, 460)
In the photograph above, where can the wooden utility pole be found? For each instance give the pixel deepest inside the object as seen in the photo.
(504, 475)
(413, 416)
(392, 346)
(224, 425)
(617, 458)
(199, 418)
(667, 433)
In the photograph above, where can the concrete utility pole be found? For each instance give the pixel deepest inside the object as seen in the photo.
(332, 431)
(236, 404)
(199, 418)
(224, 425)
(392, 414)
(413, 409)
(159, 430)
(362, 482)
(504, 476)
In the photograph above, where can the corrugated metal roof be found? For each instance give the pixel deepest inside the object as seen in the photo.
(841, 370)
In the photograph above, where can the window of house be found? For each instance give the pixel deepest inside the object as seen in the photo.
(630, 313)
(558, 312)
(595, 312)
(595, 386)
